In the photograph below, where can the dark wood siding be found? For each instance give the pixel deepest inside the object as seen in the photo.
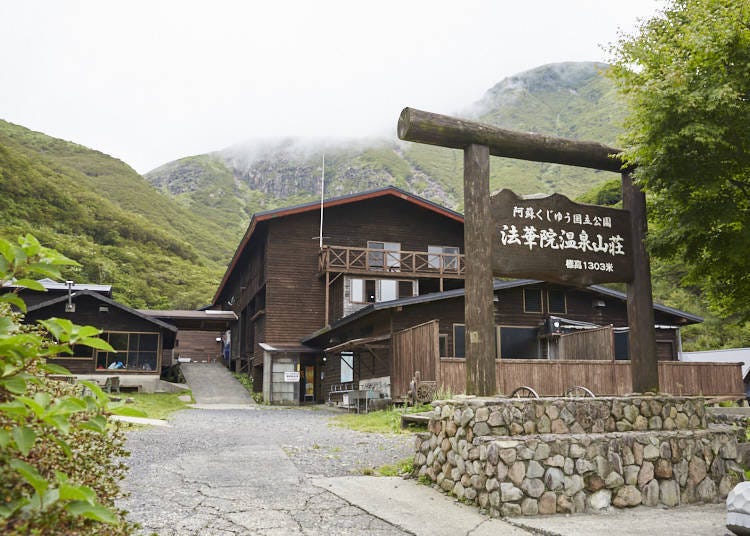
(87, 313)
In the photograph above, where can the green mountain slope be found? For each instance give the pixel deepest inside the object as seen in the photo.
(99, 211)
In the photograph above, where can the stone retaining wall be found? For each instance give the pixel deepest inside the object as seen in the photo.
(603, 452)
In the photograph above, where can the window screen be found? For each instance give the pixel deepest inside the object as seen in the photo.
(557, 302)
(622, 345)
(519, 343)
(459, 340)
(443, 345)
(532, 300)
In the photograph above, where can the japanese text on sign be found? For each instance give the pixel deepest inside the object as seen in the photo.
(555, 239)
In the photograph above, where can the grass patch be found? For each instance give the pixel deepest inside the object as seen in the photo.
(402, 467)
(386, 421)
(156, 405)
(247, 383)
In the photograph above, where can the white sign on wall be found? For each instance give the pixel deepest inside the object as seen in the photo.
(291, 376)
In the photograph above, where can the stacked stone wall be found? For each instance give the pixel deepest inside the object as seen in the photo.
(546, 456)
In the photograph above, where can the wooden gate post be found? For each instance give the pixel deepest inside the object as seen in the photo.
(478, 304)
(642, 337)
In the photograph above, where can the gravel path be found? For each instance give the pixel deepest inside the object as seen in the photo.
(248, 471)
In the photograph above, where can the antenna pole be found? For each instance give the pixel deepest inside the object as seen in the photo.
(322, 191)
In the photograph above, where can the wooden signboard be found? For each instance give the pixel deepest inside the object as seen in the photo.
(554, 239)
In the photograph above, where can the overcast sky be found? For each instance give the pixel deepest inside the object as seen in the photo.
(153, 81)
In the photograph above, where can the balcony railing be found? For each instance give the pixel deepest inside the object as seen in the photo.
(388, 262)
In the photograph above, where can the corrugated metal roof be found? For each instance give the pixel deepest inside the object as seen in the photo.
(497, 285)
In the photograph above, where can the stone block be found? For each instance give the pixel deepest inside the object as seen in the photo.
(663, 469)
(542, 451)
(630, 474)
(558, 460)
(565, 504)
(508, 492)
(650, 452)
(543, 425)
(707, 491)
(554, 478)
(650, 493)
(697, 470)
(534, 469)
(646, 474)
(529, 507)
(517, 472)
(627, 496)
(548, 503)
(613, 480)
(573, 484)
(481, 428)
(533, 487)
(599, 500)
(481, 415)
(576, 451)
(511, 510)
(640, 424)
(669, 493)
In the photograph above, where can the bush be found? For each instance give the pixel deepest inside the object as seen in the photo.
(60, 461)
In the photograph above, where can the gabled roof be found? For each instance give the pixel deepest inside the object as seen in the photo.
(106, 300)
(259, 217)
(497, 285)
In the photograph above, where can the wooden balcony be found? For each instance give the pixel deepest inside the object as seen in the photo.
(388, 263)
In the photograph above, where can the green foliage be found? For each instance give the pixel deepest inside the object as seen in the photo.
(100, 212)
(58, 456)
(386, 421)
(400, 468)
(686, 76)
(154, 405)
(247, 382)
(667, 277)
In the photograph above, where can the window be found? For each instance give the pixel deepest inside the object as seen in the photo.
(405, 289)
(388, 259)
(443, 345)
(556, 302)
(445, 257)
(379, 290)
(519, 343)
(459, 340)
(532, 300)
(347, 367)
(135, 351)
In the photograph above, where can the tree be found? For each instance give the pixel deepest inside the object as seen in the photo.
(59, 458)
(686, 76)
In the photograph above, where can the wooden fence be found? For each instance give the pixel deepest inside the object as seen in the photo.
(552, 378)
(590, 344)
(414, 349)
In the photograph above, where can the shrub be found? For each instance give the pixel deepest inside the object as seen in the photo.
(60, 461)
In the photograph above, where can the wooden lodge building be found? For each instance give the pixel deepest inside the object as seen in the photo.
(147, 342)
(381, 297)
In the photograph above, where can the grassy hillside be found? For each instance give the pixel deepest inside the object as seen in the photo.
(568, 99)
(99, 211)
